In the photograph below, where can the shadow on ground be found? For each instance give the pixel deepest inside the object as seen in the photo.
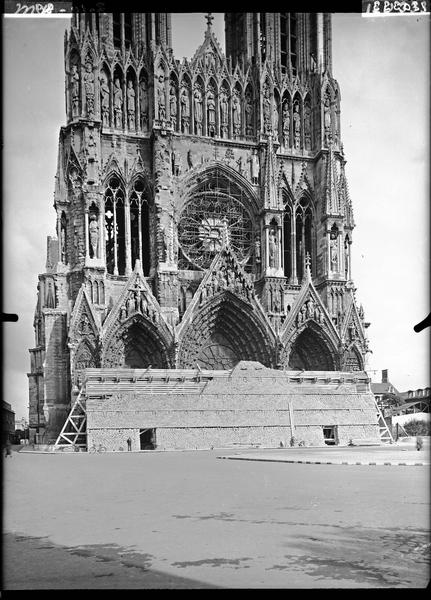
(35, 563)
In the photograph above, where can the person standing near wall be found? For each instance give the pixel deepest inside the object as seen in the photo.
(129, 445)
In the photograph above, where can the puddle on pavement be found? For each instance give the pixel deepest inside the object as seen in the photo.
(214, 562)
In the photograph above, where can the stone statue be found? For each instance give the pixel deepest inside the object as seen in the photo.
(223, 108)
(173, 108)
(63, 244)
(310, 309)
(161, 98)
(185, 110)
(89, 88)
(307, 126)
(211, 111)
(286, 124)
(118, 104)
(255, 168)
(74, 93)
(130, 104)
(334, 253)
(197, 106)
(266, 103)
(94, 235)
(143, 99)
(297, 126)
(273, 248)
(236, 114)
(248, 115)
(257, 250)
(104, 94)
(275, 118)
(143, 304)
(327, 114)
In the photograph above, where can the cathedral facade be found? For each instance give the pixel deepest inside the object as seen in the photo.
(203, 212)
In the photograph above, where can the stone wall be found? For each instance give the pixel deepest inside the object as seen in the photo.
(244, 408)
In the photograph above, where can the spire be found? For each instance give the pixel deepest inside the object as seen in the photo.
(345, 197)
(331, 191)
(210, 20)
(270, 189)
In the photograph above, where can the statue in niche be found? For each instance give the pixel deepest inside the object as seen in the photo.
(118, 104)
(297, 126)
(89, 88)
(286, 123)
(307, 126)
(275, 119)
(224, 113)
(209, 59)
(74, 93)
(327, 118)
(310, 308)
(143, 99)
(236, 114)
(211, 111)
(104, 102)
(248, 114)
(63, 244)
(130, 105)
(266, 102)
(161, 98)
(143, 304)
(257, 250)
(333, 251)
(129, 306)
(91, 155)
(197, 106)
(93, 228)
(255, 167)
(185, 110)
(173, 108)
(239, 163)
(273, 248)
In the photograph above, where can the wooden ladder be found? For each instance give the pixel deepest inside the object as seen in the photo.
(384, 431)
(74, 431)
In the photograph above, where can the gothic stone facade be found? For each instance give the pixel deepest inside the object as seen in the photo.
(203, 212)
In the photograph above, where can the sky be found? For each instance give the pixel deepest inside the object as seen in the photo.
(382, 67)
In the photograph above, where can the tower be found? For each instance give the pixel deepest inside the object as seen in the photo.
(203, 212)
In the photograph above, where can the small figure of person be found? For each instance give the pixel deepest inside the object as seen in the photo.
(129, 444)
(8, 449)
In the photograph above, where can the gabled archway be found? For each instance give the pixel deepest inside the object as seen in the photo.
(310, 351)
(222, 333)
(136, 344)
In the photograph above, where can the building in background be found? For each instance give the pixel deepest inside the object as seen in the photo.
(8, 423)
(203, 216)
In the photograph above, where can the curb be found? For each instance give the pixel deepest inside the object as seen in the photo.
(332, 462)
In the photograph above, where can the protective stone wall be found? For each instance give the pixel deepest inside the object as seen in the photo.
(245, 408)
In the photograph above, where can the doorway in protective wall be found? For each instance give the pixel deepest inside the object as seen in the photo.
(330, 435)
(147, 438)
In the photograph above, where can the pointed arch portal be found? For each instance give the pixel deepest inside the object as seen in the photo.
(309, 352)
(223, 333)
(137, 345)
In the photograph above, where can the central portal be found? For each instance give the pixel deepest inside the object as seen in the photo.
(217, 353)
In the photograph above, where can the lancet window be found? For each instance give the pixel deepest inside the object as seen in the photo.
(126, 227)
(298, 239)
(288, 41)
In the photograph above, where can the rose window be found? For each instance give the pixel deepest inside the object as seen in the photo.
(208, 220)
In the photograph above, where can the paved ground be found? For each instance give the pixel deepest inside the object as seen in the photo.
(190, 520)
(395, 455)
